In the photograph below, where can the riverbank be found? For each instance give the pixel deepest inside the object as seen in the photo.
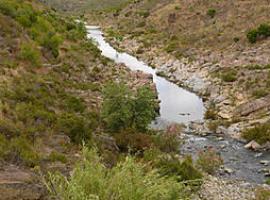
(248, 168)
(235, 110)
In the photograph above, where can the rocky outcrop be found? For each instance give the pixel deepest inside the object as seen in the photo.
(253, 106)
(19, 184)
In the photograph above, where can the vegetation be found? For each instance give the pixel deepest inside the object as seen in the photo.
(30, 53)
(122, 109)
(262, 194)
(211, 12)
(209, 161)
(263, 31)
(260, 133)
(128, 180)
(211, 112)
(229, 75)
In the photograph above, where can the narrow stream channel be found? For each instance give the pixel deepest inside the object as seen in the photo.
(181, 106)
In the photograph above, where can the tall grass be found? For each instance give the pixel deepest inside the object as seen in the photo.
(129, 180)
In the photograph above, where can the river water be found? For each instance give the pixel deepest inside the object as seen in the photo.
(181, 106)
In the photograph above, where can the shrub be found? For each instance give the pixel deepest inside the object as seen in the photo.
(229, 75)
(74, 104)
(211, 112)
(144, 13)
(75, 126)
(129, 180)
(259, 93)
(260, 133)
(30, 53)
(267, 181)
(21, 149)
(167, 143)
(252, 36)
(262, 194)
(26, 16)
(262, 31)
(122, 109)
(52, 41)
(133, 142)
(4, 146)
(211, 12)
(172, 46)
(8, 7)
(209, 161)
(184, 170)
(55, 156)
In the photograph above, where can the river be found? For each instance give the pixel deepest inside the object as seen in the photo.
(181, 106)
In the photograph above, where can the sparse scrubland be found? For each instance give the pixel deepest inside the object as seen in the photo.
(67, 131)
(61, 114)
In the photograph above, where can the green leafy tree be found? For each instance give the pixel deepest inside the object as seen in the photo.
(123, 108)
(117, 106)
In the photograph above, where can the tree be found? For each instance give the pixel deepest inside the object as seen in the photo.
(123, 108)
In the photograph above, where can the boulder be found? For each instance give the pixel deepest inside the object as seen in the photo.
(253, 145)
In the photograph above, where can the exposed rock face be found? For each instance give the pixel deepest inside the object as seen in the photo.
(16, 183)
(253, 106)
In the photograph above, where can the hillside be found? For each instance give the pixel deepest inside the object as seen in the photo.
(68, 113)
(219, 49)
(75, 125)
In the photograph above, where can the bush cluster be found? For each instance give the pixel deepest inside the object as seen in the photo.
(209, 161)
(263, 31)
(129, 180)
(260, 133)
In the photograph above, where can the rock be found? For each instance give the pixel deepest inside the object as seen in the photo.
(252, 106)
(19, 184)
(264, 162)
(221, 130)
(228, 170)
(253, 145)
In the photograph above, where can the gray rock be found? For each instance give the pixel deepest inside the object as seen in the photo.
(253, 145)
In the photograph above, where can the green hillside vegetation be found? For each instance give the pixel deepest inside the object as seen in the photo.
(56, 94)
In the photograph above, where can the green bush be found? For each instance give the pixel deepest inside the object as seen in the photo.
(30, 53)
(259, 93)
(55, 156)
(75, 126)
(74, 104)
(167, 143)
(229, 75)
(52, 41)
(8, 7)
(262, 31)
(122, 109)
(252, 36)
(129, 180)
(209, 161)
(184, 170)
(211, 12)
(4, 146)
(26, 16)
(260, 133)
(22, 149)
